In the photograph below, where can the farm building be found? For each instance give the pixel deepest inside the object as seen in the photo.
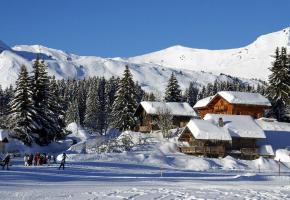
(148, 111)
(202, 137)
(245, 133)
(233, 103)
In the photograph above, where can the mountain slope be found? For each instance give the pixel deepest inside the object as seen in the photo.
(151, 70)
(251, 61)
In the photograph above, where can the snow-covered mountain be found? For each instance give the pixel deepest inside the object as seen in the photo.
(152, 70)
(251, 61)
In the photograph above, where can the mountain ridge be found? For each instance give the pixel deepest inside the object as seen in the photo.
(152, 70)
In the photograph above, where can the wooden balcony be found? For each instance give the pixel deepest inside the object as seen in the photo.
(203, 150)
(249, 151)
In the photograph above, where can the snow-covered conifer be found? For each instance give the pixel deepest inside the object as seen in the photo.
(125, 103)
(172, 92)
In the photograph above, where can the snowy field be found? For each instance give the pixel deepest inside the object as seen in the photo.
(152, 169)
(109, 180)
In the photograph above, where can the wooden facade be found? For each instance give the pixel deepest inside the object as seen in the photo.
(245, 148)
(146, 122)
(208, 148)
(218, 105)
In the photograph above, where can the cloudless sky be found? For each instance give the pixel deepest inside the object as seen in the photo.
(111, 28)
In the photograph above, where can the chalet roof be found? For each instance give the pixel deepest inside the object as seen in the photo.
(244, 98)
(235, 97)
(205, 130)
(243, 126)
(3, 135)
(203, 102)
(176, 108)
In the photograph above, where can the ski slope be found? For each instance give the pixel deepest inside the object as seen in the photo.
(152, 70)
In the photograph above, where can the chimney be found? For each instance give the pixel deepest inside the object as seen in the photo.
(221, 122)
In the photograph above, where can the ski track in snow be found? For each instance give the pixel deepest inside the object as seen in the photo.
(98, 180)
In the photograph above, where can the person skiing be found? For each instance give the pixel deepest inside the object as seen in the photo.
(62, 161)
(6, 162)
(25, 159)
(48, 159)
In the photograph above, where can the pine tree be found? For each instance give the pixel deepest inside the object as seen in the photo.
(111, 89)
(278, 90)
(56, 111)
(91, 117)
(102, 119)
(72, 113)
(201, 93)
(139, 93)
(22, 110)
(172, 92)
(125, 103)
(191, 94)
(82, 98)
(40, 97)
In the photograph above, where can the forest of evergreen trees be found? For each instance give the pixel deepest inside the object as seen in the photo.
(39, 107)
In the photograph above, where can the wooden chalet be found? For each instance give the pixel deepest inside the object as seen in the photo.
(201, 137)
(233, 103)
(147, 113)
(245, 133)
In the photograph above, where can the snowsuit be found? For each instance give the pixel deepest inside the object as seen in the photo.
(62, 161)
(6, 162)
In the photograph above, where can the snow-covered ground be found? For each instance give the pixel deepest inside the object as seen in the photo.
(152, 169)
(115, 180)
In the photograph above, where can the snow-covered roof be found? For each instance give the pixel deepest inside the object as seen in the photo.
(266, 150)
(235, 97)
(3, 134)
(243, 126)
(244, 98)
(205, 130)
(203, 102)
(175, 108)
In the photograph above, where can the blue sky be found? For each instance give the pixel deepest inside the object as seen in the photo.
(125, 28)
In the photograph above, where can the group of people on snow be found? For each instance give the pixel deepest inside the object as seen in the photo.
(38, 159)
(42, 158)
(34, 160)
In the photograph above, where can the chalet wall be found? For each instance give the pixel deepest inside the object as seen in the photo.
(147, 122)
(221, 106)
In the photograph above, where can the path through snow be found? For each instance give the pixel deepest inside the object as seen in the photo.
(104, 180)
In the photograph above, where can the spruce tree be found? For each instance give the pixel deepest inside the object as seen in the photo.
(172, 92)
(41, 98)
(102, 106)
(91, 117)
(72, 113)
(278, 90)
(55, 109)
(125, 103)
(191, 94)
(82, 97)
(22, 110)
